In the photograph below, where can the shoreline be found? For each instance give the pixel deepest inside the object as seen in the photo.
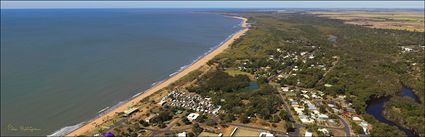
(157, 86)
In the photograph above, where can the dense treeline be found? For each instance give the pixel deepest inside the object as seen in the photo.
(382, 129)
(220, 81)
(397, 107)
(161, 118)
(415, 76)
(263, 103)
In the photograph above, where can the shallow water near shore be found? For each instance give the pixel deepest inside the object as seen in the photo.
(62, 67)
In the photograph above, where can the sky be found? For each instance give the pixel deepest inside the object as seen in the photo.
(209, 4)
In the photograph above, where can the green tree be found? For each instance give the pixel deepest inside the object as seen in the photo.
(144, 123)
(244, 118)
(190, 134)
(210, 122)
(186, 121)
(229, 118)
(197, 129)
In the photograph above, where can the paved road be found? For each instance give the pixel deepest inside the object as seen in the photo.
(258, 128)
(298, 125)
(346, 127)
(168, 128)
(330, 69)
(291, 117)
(118, 123)
(156, 132)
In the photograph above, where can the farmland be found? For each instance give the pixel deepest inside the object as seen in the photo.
(403, 20)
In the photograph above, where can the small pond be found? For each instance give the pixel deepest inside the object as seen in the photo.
(253, 86)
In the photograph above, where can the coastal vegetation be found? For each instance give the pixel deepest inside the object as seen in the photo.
(220, 81)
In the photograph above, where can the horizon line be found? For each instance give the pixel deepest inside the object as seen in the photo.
(213, 4)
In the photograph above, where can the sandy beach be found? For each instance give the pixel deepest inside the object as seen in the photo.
(90, 125)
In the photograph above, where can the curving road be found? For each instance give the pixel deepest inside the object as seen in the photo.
(298, 125)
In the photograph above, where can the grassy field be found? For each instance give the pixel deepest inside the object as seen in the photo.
(411, 21)
(234, 72)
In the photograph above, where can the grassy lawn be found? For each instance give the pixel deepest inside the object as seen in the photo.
(233, 72)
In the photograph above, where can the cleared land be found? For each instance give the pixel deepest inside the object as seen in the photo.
(410, 21)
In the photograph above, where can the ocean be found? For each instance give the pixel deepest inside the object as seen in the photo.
(60, 67)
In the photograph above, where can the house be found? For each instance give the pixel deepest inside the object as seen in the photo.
(278, 50)
(192, 116)
(355, 118)
(308, 134)
(162, 102)
(324, 131)
(182, 134)
(321, 93)
(305, 120)
(215, 111)
(349, 109)
(328, 85)
(280, 76)
(406, 49)
(149, 118)
(336, 110)
(323, 116)
(311, 106)
(299, 109)
(285, 89)
(266, 134)
(294, 104)
(130, 111)
(364, 125)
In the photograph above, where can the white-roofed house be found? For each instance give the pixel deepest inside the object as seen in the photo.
(182, 134)
(308, 134)
(192, 116)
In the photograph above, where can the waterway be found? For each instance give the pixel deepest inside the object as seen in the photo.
(376, 107)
